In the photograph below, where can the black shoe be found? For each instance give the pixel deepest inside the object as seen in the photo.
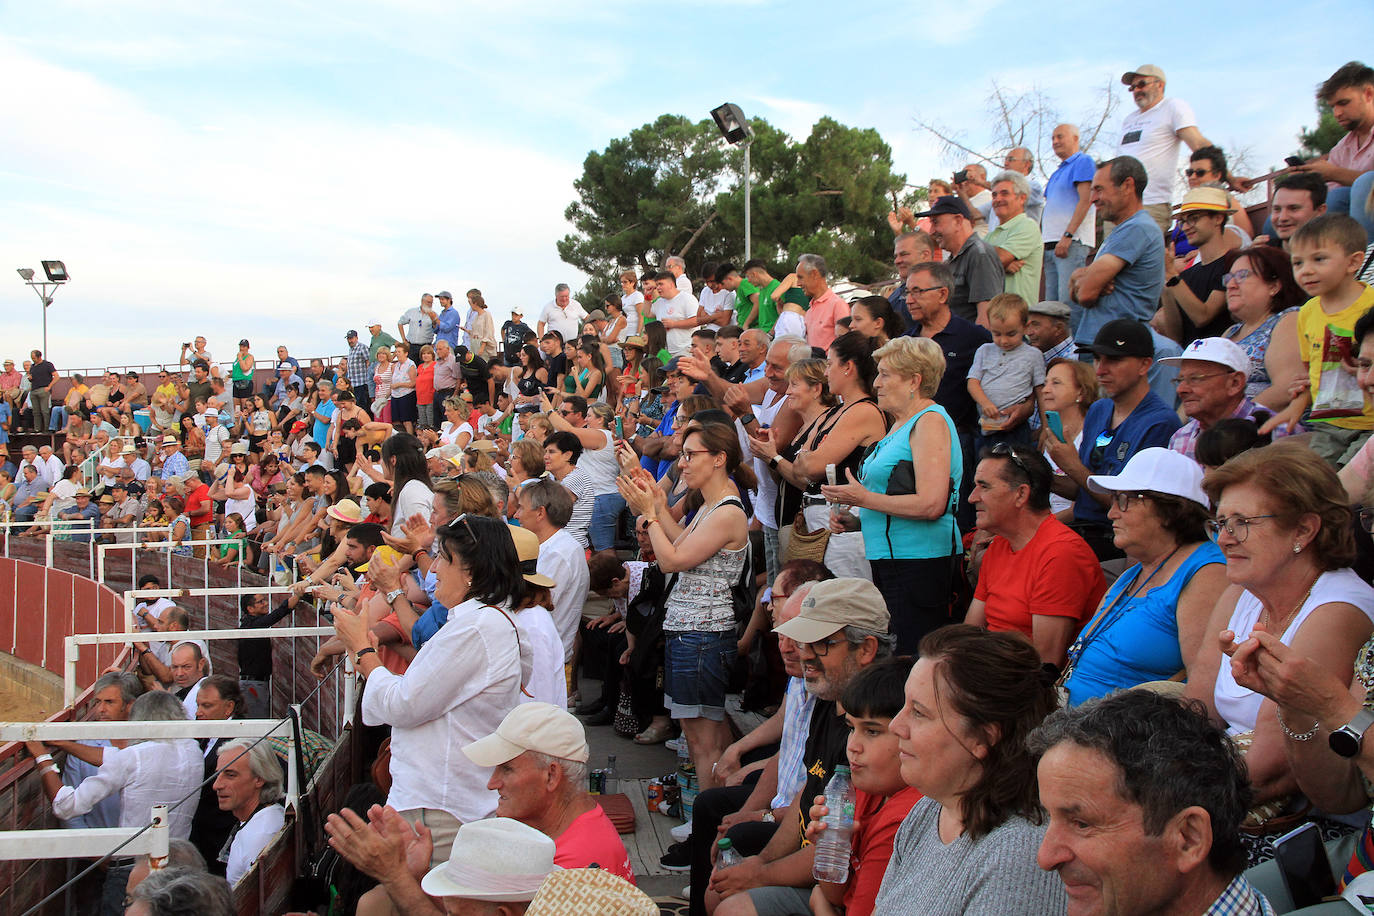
(677, 858)
(605, 717)
(592, 708)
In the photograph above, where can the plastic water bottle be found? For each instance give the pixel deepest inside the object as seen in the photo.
(832, 851)
(611, 783)
(726, 853)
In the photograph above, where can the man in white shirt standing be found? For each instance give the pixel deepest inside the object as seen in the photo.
(1152, 134)
(678, 268)
(678, 311)
(562, 314)
(544, 507)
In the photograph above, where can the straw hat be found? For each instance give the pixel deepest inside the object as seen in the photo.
(345, 510)
(589, 892)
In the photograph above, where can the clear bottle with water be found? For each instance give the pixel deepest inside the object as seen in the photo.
(726, 853)
(611, 777)
(832, 850)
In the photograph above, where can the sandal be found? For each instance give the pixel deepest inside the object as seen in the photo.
(654, 734)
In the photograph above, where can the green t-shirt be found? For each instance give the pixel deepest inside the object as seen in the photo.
(768, 309)
(381, 340)
(742, 304)
(1021, 236)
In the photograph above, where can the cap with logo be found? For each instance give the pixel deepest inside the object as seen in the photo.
(1122, 337)
(1217, 350)
(1156, 470)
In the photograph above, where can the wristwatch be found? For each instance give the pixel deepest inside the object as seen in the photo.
(1347, 739)
(392, 595)
(768, 817)
(1173, 281)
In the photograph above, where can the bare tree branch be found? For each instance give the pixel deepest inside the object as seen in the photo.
(1108, 105)
(681, 252)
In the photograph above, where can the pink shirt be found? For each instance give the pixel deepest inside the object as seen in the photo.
(592, 840)
(825, 310)
(1353, 152)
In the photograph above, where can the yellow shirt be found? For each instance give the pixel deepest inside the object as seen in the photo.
(1326, 342)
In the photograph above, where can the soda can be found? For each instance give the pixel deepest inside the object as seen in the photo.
(596, 780)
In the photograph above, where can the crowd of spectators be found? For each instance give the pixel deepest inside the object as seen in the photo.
(1075, 502)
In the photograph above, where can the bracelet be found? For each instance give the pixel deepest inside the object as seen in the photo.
(652, 521)
(42, 759)
(416, 555)
(1303, 736)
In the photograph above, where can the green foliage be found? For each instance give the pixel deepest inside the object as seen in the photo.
(1319, 140)
(674, 187)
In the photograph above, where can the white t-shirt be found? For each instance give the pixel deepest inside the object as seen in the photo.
(563, 320)
(252, 838)
(631, 305)
(402, 379)
(684, 284)
(683, 305)
(789, 323)
(714, 302)
(450, 433)
(564, 561)
(767, 492)
(147, 611)
(415, 497)
(1152, 137)
(215, 437)
(547, 683)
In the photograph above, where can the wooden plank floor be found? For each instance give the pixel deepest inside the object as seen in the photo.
(652, 836)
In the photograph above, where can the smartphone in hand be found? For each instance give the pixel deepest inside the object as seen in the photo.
(1055, 424)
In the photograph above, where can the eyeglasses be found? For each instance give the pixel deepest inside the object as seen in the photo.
(1123, 498)
(1237, 526)
(1139, 84)
(1236, 276)
(1197, 173)
(565, 413)
(687, 453)
(462, 520)
(922, 289)
(1191, 380)
(822, 649)
(1003, 450)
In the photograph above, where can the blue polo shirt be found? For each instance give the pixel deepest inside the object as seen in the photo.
(1139, 243)
(959, 341)
(450, 326)
(1106, 451)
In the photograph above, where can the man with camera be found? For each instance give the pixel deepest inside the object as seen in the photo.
(971, 184)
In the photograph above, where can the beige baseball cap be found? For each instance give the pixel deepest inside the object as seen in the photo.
(540, 727)
(527, 548)
(832, 605)
(1146, 70)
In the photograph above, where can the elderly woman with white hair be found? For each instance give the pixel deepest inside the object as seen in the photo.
(249, 786)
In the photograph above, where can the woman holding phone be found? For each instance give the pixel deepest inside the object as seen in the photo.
(1070, 389)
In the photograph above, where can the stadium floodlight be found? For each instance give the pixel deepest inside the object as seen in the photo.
(57, 275)
(734, 127)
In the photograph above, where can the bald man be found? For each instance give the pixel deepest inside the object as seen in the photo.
(1068, 225)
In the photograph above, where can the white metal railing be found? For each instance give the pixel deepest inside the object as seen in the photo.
(6, 527)
(90, 466)
(168, 545)
(183, 728)
(94, 842)
(72, 646)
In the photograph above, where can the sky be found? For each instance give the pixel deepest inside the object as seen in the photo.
(287, 171)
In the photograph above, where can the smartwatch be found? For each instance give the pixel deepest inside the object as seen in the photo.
(1347, 740)
(392, 595)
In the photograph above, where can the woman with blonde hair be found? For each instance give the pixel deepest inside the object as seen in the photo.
(906, 492)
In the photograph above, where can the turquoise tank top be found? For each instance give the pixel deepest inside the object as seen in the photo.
(891, 537)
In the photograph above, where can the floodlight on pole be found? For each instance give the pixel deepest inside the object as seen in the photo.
(57, 274)
(734, 127)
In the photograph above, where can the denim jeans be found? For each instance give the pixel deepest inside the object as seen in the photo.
(1057, 271)
(1352, 201)
(606, 509)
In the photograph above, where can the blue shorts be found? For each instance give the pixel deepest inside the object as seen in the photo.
(696, 673)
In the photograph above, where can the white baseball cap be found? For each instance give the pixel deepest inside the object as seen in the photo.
(1156, 470)
(1217, 350)
(540, 727)
(498, 859)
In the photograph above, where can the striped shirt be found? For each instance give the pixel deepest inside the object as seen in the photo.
(796, 720)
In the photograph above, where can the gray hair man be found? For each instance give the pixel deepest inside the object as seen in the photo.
(841, 628)
(678, 268)
(538, 755)
(249, 786)
(1016, 237)
(1021, 160)
(1047, 329)
(1212, 373)
(1130, 830)
(1068, 226)
(1152, 135)
(179, 890)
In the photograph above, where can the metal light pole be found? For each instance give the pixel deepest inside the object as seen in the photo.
(57, 274)
(734, 127)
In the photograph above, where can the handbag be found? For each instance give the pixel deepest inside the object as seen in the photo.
(805, 544)
(626, 723)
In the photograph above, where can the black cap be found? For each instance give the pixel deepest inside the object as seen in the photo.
(948, 204)
(1122, 337)
(350, 334)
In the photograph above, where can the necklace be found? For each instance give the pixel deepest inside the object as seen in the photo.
(1101, 624)
(1287, 618)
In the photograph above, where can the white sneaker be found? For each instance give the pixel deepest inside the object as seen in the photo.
(675, 744)
(682, 831)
